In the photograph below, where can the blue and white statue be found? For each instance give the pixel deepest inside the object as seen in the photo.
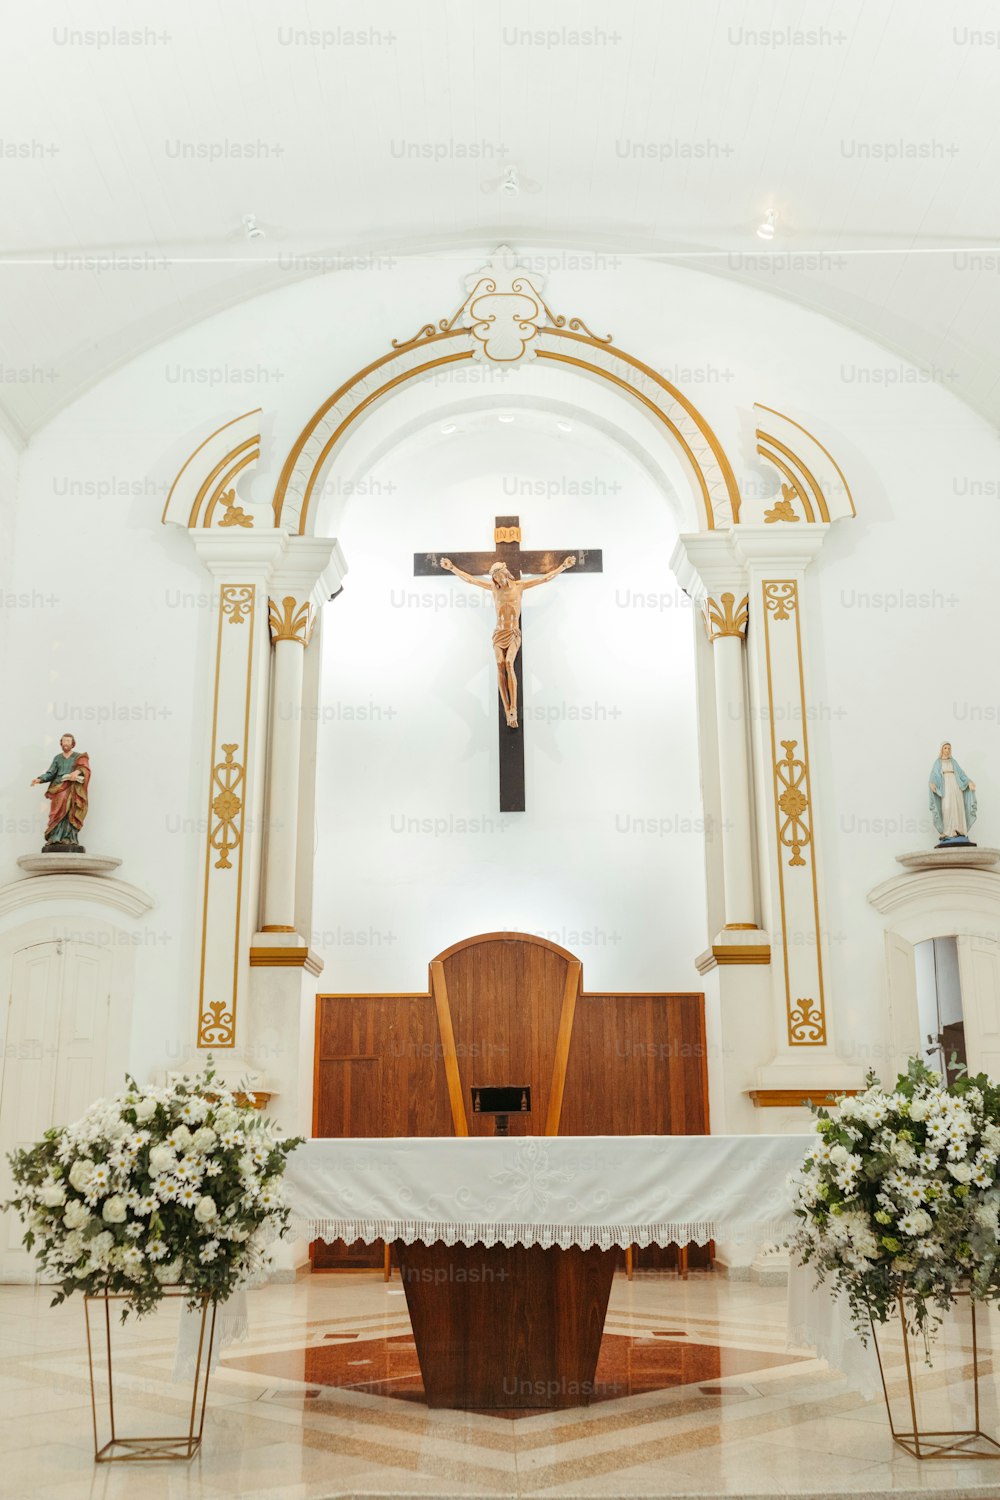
(953, 799)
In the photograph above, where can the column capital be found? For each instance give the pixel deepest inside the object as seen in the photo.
(769, 549)
(310, 572)
(726, 615)
(253, 555)
(705, 563)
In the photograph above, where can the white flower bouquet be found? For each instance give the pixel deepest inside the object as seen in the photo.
(899, 1196)
(158, 1187)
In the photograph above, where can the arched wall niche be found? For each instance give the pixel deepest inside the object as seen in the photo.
(926, 904)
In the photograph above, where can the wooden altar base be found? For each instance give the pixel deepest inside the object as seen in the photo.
(498, 1328)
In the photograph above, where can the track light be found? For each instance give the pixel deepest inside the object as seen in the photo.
(765, 229)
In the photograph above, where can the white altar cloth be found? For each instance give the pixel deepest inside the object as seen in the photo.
(546, 1190)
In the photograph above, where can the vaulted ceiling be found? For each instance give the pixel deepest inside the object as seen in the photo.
(638, 127)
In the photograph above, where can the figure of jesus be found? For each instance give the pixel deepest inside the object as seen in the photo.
(507, 591)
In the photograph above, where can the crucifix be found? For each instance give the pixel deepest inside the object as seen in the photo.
(499, 571)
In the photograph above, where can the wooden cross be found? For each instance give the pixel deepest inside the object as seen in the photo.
(507, 543)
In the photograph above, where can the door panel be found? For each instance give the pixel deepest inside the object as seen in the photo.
(55, 1058)
(979, 970)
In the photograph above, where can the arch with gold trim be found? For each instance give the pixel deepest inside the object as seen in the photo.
(690, 434)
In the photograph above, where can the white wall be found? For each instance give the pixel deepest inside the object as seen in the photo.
(412, 852)
(122, 651)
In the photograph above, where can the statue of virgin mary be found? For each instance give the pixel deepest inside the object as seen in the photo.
(953, 798)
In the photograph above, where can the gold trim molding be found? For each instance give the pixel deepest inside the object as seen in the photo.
(286, 958)
(741, 953)
(796, 1098)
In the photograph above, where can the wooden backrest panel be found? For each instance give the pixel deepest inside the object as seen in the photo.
(378, 1067)
(505, 996)
(637, 1066)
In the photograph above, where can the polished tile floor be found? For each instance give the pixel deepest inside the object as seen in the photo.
(310, 1407)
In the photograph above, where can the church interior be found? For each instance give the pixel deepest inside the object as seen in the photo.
(554, 928)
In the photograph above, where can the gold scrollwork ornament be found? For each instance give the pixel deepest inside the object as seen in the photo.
(780, 599)
(806, 1024)
(217, 1025)
(793, 801)
(227, 805)
(236, 601)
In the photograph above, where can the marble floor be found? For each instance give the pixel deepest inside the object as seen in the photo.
(697, 1395)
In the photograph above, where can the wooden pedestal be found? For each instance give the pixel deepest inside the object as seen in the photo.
(506, 1328)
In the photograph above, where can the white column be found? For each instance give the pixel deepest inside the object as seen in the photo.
(726, 623)
(310, 572)
(283, 790)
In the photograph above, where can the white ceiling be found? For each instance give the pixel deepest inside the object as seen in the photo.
(88, 136)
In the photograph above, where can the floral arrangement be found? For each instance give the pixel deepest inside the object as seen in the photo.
(154, 1188)
(900, 1195)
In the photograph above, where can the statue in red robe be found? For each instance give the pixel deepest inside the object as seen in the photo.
(68, 779)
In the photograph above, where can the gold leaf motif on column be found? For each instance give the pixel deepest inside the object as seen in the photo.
(806, 1024)
(227, 806)
(725, 617)
(792, 775)
(292, 622)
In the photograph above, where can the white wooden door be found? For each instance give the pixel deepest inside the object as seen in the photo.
(55, 1058)
(979, 973)
(904, 1017)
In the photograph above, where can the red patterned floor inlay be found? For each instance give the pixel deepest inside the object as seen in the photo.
(625, 1367)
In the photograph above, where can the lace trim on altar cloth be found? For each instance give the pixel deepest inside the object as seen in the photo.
(585, 1236)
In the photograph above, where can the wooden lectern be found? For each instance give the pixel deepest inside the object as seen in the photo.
(517, 1327)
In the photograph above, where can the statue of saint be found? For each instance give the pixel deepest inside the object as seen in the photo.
(953, 798)
(507, 591)
(68, 779)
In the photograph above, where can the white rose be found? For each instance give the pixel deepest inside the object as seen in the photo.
(162, 1159)
(101, 1245)
(113, 1211)
(168, 1275)
(205, 1210)
(77, 1214)
(960, 1170)
(918, 1109)
(52, 1194)
(79, 1174)
(204, 1139)
(839, 1155)
(145, 1110)
(181, 1138)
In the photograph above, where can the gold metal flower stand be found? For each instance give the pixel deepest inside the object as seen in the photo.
(120, 1449)
(954, 1368)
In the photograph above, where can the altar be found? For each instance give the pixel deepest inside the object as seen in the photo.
(506, 1246)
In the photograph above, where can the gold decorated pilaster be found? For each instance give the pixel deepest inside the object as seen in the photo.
(724, 617)
(222, 905)
(291, 620)
(797, 887)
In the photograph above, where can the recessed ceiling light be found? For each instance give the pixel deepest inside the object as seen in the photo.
(505, 418)
(765, 229)
(251, 228)
(565, 426)
(450, 427)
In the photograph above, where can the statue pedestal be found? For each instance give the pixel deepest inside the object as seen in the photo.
(959, 856)
(68, 864)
